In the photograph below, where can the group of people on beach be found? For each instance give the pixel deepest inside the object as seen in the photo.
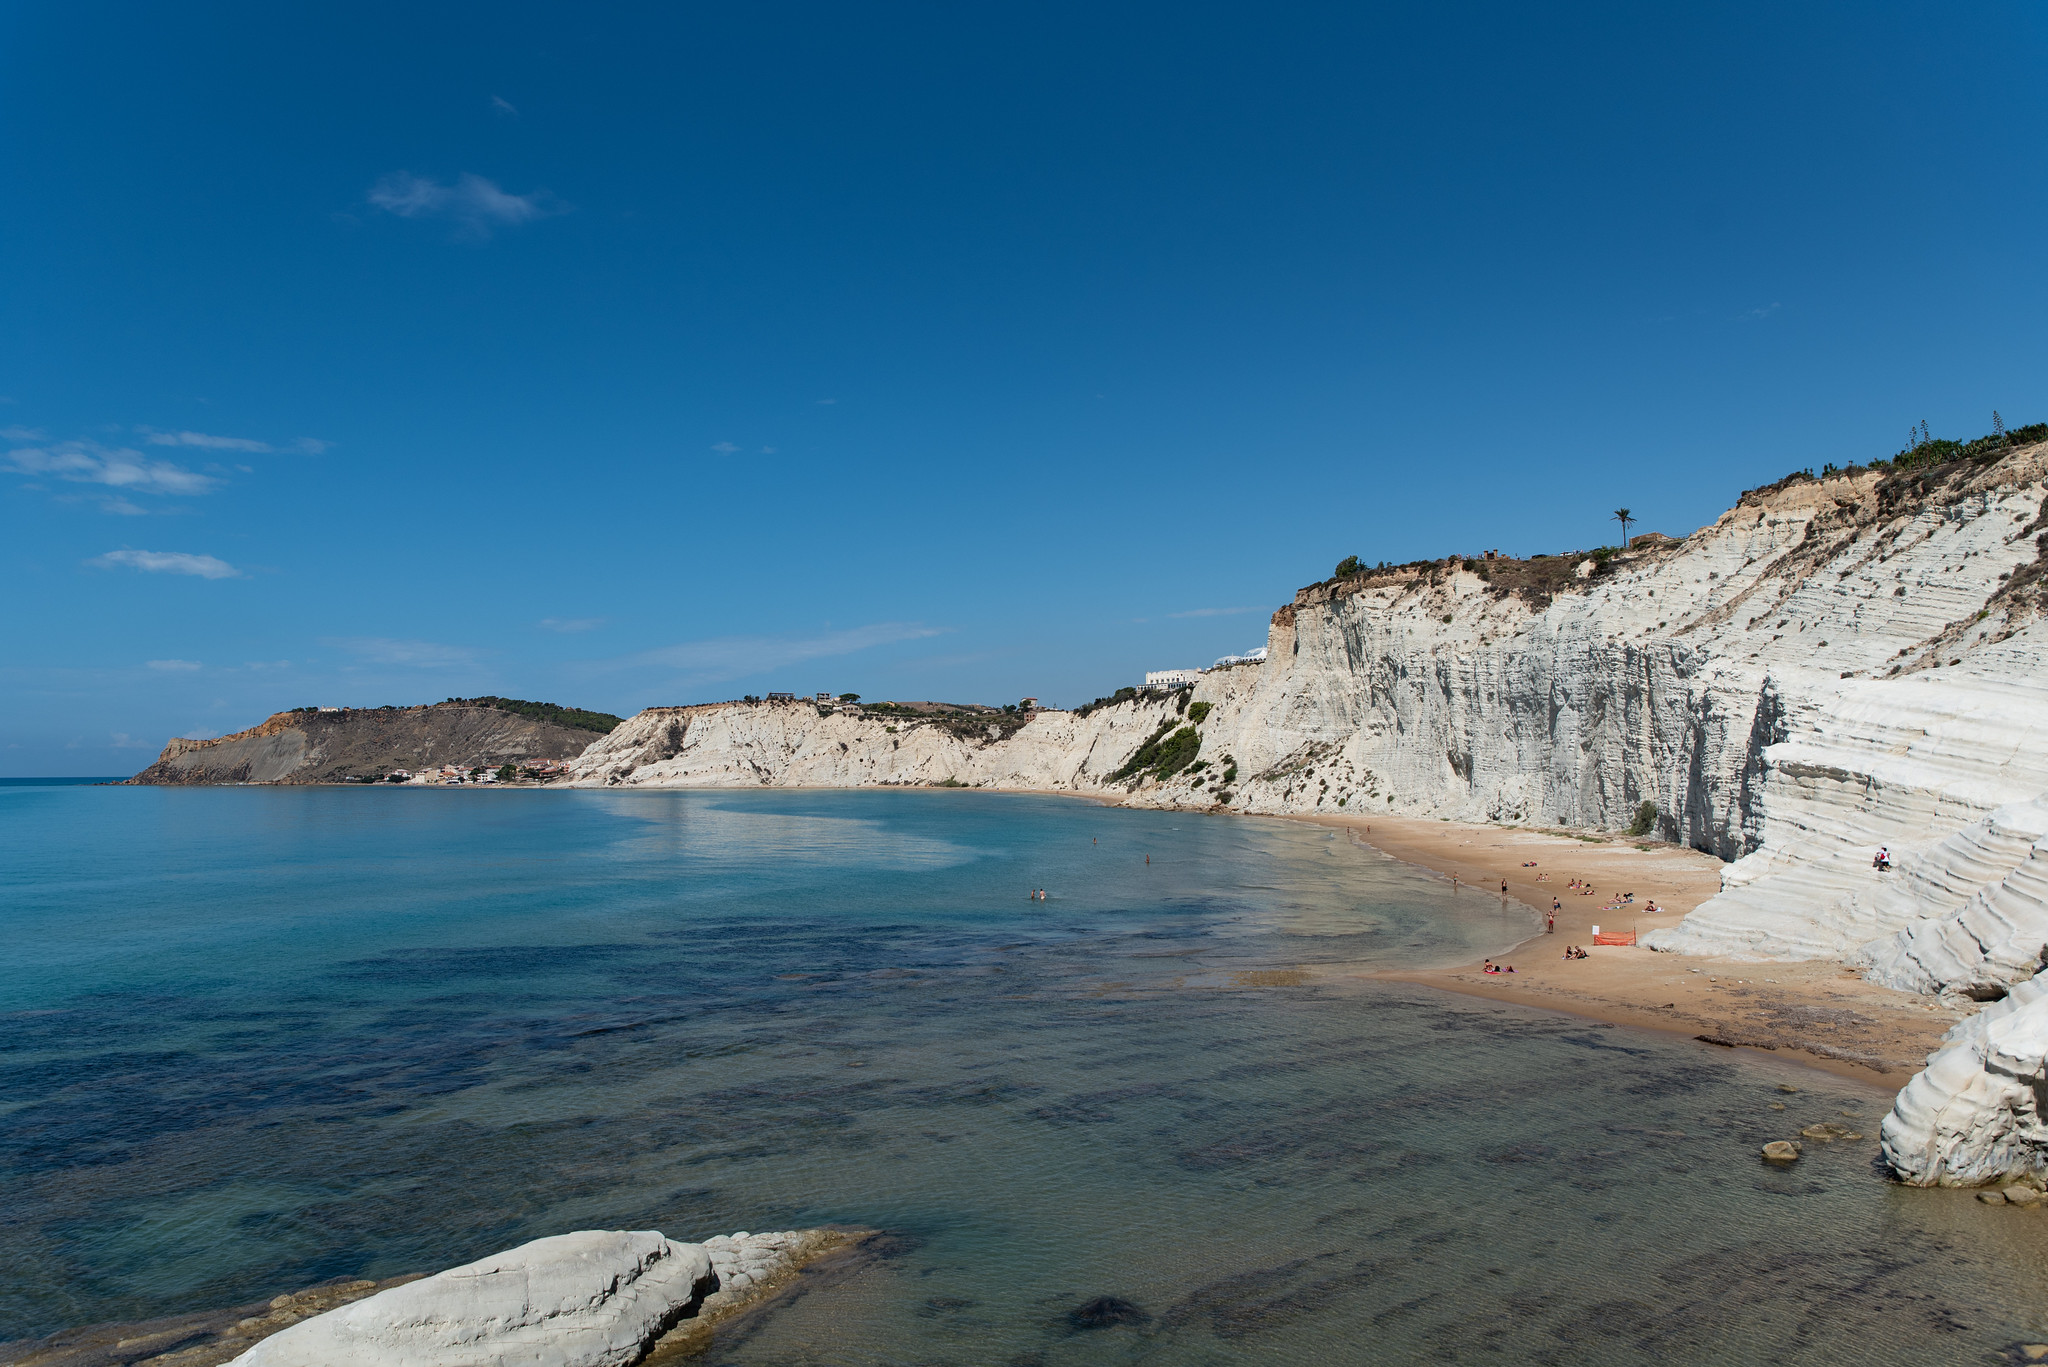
(1492, 967)
(1574, 952)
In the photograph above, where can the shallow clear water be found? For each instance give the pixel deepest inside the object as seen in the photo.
(254, 1038)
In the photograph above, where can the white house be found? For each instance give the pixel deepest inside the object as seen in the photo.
(1170, 678)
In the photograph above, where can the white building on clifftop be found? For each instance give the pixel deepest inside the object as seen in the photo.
(1170, 678)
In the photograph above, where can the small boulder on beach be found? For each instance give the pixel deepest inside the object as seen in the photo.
(1781, 1151)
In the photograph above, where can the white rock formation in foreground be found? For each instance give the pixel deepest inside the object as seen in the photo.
(1973, 1115)
(597, 1298)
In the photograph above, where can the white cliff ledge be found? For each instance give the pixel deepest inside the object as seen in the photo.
(1833, 665)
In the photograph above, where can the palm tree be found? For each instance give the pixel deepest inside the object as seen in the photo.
(1622, 516)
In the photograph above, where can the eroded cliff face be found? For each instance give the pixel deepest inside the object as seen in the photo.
(1831, 666)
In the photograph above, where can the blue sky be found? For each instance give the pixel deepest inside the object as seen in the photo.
(618, 355)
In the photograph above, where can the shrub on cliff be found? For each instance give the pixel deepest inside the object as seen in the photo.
(1162, 754)
(1122, 695)
(1178, 752)
(1646, 819)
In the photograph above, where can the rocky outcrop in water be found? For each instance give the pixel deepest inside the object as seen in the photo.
(598, 1298)
(1973, 1115)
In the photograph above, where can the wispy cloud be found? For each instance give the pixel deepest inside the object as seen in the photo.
(733, 657)
(168, 562)
(199, 734)
(504, 106)
(570, 624)
(1214, 612)
(121, 740)
(121, 507)
(205, 441)
(20, 434)
(383, 650)
(724, 448)
(174, 666)
(1763, 312)
(87, 462)
(476, 205)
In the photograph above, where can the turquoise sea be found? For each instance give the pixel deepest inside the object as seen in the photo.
(251, 1039)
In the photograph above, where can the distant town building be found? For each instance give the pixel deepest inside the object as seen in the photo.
(826, 697)
(1030, 704)
(782, 697)
(1170, 678)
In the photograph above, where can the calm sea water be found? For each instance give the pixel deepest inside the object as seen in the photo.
(254, 1038)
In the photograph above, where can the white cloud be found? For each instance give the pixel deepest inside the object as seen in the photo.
(476, 205)
(311, 446)
(724, 448)
(174, 666)
(121, 507)
(1213, 612)
(87, 462)
(168, 562)
(732, 657)
(414, 654)
(205, 441)
(20, 434)
(504, 106)
(569, 624)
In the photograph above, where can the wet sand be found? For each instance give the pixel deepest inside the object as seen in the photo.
(1821, 1012)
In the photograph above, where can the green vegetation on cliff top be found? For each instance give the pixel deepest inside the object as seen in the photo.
(575, 718)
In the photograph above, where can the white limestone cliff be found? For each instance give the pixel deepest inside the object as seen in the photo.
(1832, 665)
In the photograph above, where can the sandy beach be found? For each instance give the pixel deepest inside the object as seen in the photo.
(1819, 1012)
